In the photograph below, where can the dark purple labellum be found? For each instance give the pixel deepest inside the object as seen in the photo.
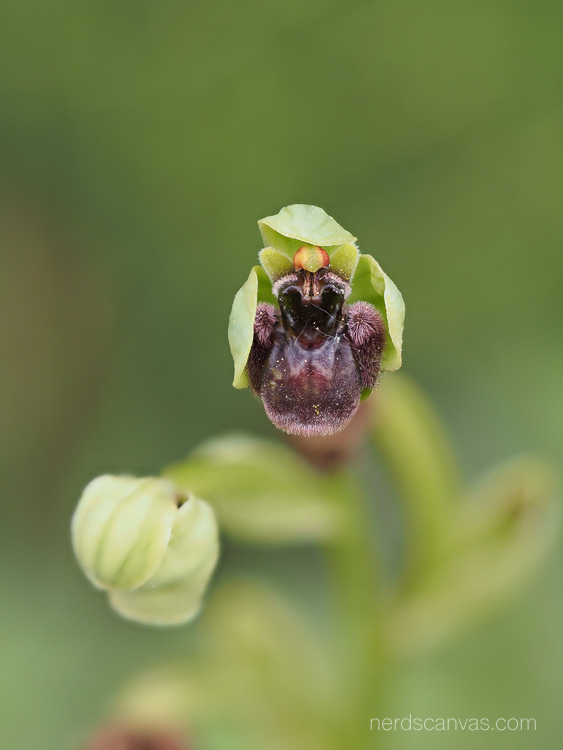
(311, 359)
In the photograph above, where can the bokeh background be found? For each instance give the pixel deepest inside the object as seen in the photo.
(141, 141)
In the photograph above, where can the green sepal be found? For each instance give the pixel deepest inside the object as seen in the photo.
(257, 288)
(371, 284)
(295, 225)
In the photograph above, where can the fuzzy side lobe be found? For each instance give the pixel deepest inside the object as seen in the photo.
(366, 332)
(264, 326)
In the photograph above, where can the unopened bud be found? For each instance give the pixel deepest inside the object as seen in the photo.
(152, 549)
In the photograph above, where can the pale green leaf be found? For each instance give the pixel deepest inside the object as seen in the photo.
(502, 535)
(261, 491)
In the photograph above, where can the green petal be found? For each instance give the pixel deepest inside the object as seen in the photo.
(344, 261)
(276, 264)
(371, 284)
(261, 491)
(294, 225)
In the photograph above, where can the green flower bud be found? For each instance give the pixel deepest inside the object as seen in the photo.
(314, 324)
(151, 548)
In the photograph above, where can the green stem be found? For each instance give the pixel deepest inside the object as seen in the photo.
(356, 580)
(411, 440)
(416, 451)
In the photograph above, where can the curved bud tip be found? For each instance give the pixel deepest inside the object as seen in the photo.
(311, 259)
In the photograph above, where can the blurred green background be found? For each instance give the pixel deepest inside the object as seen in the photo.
(141, 141)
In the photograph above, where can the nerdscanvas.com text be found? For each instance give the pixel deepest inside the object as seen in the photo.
(452, 724)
